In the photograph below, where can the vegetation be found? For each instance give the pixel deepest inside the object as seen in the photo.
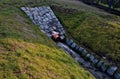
(26, 53)
(99, 34)
(24, 60)
(109, 3)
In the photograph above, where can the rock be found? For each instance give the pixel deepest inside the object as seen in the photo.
(39, 17)
(87, 56)
(61, 33)
(91, 58)
(69, 42)
(81, 49)
(95, 61)
(32, 9)
(117, 76)
(47, 19)
(40, 8)
(77, 47)
(79, 60)
(48, 8)
(100, 63)
(62, 37)
(84, 52)
(23, 8)
(42, 12)
(111, 70)
(104, 67)
(73, 45)
(48, 16)
(53, 15)
(28, 13)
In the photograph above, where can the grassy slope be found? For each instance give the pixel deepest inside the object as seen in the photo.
(99, 33)
(26, 53)
(24, 60)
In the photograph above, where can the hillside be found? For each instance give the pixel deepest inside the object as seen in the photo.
(92, 28)
(24, 60)
(26, 53)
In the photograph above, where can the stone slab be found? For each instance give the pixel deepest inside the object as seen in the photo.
(111, 70)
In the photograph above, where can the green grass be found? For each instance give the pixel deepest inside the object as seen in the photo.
(24, 60)
(99, 34)
(13, 23)
(27, 53)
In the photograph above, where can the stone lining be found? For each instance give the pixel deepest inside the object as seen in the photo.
(45, 18)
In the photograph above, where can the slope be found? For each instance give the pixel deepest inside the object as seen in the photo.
(26, 53)
(97, 32)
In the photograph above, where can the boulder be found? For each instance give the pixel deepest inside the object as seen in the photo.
(117, 76)
(111, 70)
